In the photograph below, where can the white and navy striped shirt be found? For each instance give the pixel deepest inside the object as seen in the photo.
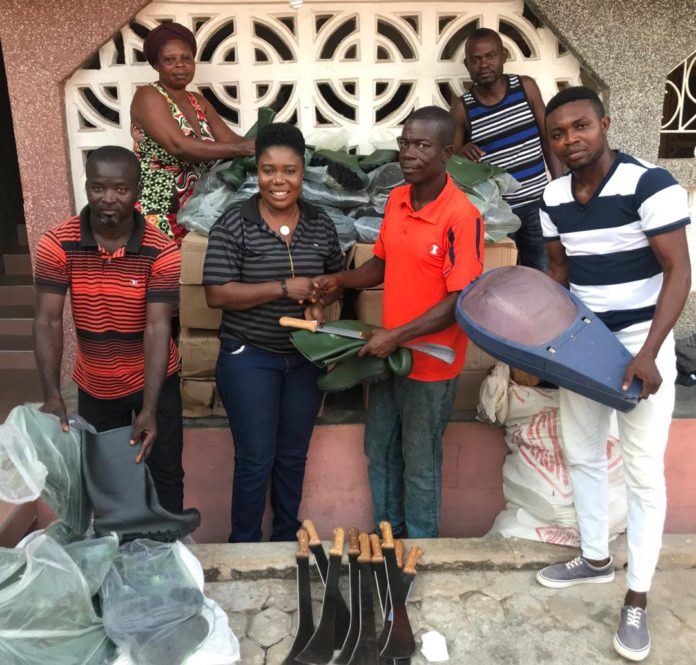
(611, 266)
(243, 248)
(509, 135)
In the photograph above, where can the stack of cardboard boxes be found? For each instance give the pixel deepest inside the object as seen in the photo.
(369, 309)
(198, 343)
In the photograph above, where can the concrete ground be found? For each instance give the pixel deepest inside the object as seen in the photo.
(480, 594)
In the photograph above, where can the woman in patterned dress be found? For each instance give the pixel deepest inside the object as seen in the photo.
(177, 134)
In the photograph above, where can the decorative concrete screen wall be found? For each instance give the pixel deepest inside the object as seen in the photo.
(678, 132)
(353, 68)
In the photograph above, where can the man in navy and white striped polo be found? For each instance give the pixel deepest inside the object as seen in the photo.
(500, 120)
(615, 232)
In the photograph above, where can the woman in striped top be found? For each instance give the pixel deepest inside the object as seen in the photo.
(262, 255)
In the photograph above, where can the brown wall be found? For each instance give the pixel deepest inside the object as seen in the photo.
(43, 43)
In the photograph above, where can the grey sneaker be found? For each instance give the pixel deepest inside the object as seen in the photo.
(576, 571)
(632, 639)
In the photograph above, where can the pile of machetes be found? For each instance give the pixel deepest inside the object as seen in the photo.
(352, 632)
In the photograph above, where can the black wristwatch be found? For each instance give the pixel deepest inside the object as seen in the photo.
(284, 288)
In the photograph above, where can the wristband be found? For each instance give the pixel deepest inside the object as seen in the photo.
(284, 288)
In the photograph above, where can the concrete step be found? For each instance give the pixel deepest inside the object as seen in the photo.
(22, 238)
(16, 343)
(17, 359)
(16, 290)
(17, 264)
(16, 319)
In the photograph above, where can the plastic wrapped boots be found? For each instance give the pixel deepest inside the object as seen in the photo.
(123, 493)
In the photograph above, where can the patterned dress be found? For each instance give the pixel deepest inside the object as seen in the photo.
(167, 182)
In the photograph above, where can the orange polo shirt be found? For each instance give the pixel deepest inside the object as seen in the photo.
(428, 254)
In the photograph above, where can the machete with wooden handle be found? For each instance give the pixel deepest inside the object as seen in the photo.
(320, 648)
(380, 572)
(366, 651)
(317, 549)
(408, 575)
(400, 642)
(382, 639)
(439, 351)
(354, 585)
(305, 623)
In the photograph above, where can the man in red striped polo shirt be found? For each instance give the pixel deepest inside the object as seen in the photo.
(123, 277)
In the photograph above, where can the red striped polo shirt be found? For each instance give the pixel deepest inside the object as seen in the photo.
(108, 295)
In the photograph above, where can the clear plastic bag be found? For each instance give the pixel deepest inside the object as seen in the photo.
(345, 227)
(211, 197)
(22, 475)
(368, 228)
(57, 454)
(93, 556)
(151, 604)
(220, 646)
(47, 612)
(487, 196)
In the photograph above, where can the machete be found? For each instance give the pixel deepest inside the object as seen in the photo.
(305, 623)
(439, 351)
(380, 572)
(320, 648)
(354, 585)
(366, 651)
(382, 638)
(408, 575)
(317, 549)
(400, 642)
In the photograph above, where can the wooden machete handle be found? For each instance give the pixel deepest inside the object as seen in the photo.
(301, 324)
(364, 548)
(302, 543)
(353, 541)
(387, 536)
(338, 539)
(399, 549)
(412, 560)
(311, 532)
(377, 556)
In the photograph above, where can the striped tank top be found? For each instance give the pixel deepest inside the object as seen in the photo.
(509, 135)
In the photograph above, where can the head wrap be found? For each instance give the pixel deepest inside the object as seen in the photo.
(164, 33)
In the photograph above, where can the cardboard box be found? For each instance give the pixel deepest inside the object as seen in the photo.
(358, 254)
(478, 359)
(193, 248)
(468, 386)
(333, 310)
(368, 307)
(499, 254)
(199, 352)
(200, 399)
(194, 311)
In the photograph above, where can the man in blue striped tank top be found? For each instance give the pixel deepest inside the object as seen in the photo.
(500, 120)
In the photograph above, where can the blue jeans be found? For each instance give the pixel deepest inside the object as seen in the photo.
(529, 238)
(403, 443)
(272, 401)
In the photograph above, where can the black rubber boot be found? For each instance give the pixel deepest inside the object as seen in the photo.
(123, 493)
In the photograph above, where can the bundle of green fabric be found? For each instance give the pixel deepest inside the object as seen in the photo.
(340, 354)
(234, 175)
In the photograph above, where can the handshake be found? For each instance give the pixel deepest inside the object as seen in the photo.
(312, 291)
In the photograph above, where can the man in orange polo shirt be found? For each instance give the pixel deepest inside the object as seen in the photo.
(430, 247)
